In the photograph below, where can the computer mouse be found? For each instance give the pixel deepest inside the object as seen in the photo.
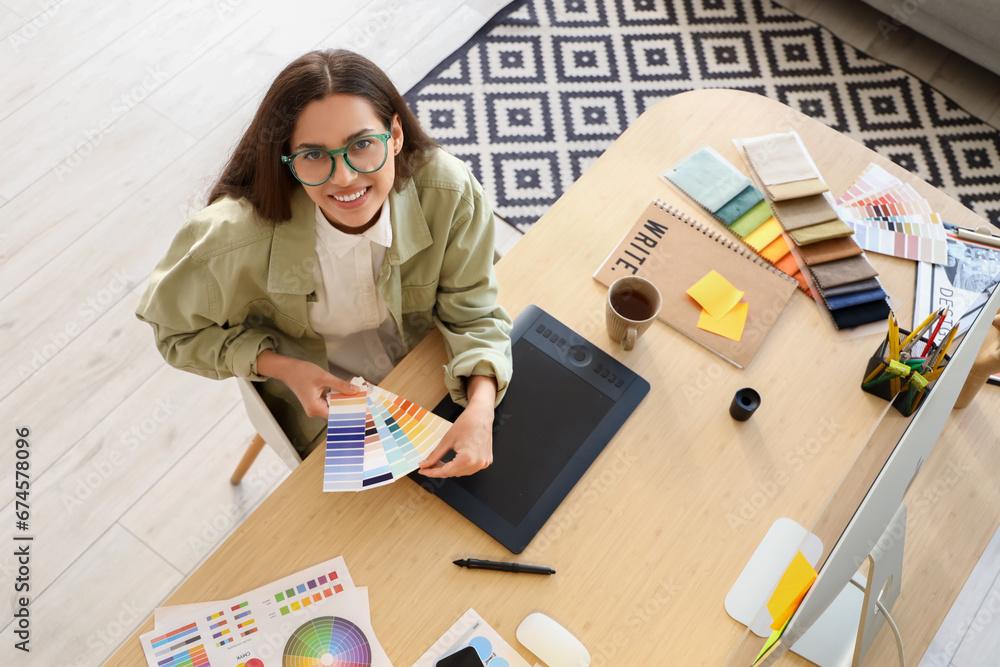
(552, 643)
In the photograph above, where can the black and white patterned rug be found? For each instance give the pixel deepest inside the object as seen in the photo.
(547, 85)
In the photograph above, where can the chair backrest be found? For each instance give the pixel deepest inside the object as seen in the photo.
(266, 425)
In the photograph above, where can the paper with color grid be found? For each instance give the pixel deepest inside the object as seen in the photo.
(375, 437)
(303, 619)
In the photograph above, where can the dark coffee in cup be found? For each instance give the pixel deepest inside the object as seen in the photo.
(632, 305)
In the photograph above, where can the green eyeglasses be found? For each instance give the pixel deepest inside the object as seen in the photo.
(314, 166)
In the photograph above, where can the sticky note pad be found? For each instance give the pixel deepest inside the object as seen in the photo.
(729, 325)
(715, 294)
(791, 589)
(771, 641)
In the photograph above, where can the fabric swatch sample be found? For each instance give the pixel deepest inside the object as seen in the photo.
(827, 251)
(804, 211)
(842, 271)
(812, 186)
(709, 180)
(803, 285)
(779, 159)
(751, 220)
(823, 231)
(775, 251)
(865, 313)
(854, 298)
(739, 205)
(759, 238)
(858, 286)
(788, 264)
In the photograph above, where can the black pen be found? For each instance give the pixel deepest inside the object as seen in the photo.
(475, 564)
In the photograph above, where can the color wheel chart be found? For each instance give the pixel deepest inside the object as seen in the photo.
(182, 647)
(303, 595)
(375, 438)
(891, 218)
(327, 641)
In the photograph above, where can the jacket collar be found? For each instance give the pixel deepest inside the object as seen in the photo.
(293, 247)
(410, 233)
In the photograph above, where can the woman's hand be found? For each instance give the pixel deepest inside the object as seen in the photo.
(308, 382)
(470, 437)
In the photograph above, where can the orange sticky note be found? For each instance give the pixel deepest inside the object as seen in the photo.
(715, 294)
(729, 325)
(763, 235)
(794, 584)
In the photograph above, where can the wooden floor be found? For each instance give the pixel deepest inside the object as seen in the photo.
(114, 118)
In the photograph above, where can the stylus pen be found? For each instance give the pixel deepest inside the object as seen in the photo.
(475, 564)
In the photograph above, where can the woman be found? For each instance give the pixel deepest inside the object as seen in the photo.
(337, 236)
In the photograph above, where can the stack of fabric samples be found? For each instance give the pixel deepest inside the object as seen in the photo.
(801, 202)
(730, 196)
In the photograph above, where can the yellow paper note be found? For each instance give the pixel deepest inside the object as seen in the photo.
(771, 641)
(715, 294)
(794, 584)
(729, 325)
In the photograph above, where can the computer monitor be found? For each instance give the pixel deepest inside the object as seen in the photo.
(835, 623)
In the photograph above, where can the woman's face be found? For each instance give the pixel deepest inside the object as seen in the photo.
(351, 201)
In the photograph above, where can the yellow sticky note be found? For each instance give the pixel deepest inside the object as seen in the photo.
(729, 325)
(763, 235)
(715, 294)
(771, 641)
(794, 584)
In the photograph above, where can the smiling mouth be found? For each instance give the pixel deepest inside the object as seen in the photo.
(352, 197)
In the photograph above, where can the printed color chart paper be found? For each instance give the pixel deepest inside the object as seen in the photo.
(891, 218)
(375, 437)
(317, 617)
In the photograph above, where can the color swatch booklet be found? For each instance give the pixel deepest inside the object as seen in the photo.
(314, 617)
(375, 437)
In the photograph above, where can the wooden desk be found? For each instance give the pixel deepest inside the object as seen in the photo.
(649, 542)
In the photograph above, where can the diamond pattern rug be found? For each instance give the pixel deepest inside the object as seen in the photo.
(547, 85)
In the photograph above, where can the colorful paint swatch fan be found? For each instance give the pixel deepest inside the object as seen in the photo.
(375, 437)
(327, 641)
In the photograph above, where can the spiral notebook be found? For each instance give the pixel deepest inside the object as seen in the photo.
(674, 251)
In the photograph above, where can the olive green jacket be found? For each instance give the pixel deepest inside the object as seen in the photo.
(231, 286)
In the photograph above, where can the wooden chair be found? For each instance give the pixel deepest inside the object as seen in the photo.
(268, 432)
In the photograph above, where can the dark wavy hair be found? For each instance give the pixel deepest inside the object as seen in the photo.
(255, 171)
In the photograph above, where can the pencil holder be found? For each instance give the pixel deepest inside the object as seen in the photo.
(896, 381)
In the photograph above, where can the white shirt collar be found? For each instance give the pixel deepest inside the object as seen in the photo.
(340, 243)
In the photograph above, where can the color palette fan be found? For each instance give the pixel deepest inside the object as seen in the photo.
(375, 437)
(327, 641)
(890, 217)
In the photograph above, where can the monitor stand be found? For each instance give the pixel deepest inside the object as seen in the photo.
(832, 641)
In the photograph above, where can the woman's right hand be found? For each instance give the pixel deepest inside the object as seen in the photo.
(308, 382)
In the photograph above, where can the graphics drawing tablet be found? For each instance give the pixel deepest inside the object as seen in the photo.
(566, 400)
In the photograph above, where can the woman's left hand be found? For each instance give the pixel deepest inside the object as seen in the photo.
(470, 437)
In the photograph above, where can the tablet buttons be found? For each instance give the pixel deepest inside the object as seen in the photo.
(579, 355)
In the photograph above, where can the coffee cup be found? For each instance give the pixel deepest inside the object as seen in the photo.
(632, 305)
